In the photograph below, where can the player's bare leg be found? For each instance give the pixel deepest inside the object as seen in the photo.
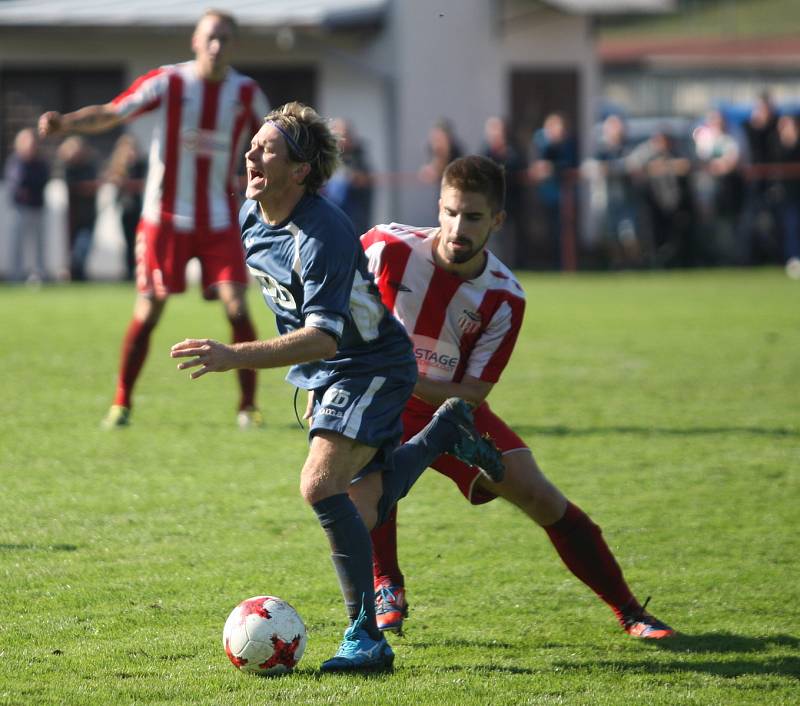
(147, 313)
(528, 488)
(234, 300)
(578, 541)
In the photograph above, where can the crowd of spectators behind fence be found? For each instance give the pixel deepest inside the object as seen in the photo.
(727, 196)
(713, 195)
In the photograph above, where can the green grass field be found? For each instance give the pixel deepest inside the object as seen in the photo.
(666, 405)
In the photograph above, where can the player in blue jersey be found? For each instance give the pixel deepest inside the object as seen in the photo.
(344, 346)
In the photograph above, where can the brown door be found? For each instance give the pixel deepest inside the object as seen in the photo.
(534, 95)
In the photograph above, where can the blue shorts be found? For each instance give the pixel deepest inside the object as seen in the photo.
(366, 409)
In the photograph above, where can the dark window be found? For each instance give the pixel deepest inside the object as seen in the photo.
(25, 93)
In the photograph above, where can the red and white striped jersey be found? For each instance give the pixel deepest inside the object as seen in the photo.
(197, 144)
(458, 326)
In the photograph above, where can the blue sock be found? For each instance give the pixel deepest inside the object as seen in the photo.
(351, 552)
(409, 460)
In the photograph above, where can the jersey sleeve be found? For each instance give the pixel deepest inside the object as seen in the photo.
(328, 273)
(143, 95)
(373, 242)
(493, 348)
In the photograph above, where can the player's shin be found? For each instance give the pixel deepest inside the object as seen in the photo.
(409, 460)
(351, 553)
(580, 544)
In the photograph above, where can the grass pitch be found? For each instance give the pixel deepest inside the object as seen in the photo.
(666, 405)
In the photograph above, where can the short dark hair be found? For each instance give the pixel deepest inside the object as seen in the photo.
(223, 16)
(479, 175)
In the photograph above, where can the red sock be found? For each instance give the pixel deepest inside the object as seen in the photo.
(580, 544)
(384, 551)
(243, 331)
(135, 345)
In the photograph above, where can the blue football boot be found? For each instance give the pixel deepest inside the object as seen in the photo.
(359, 652)
(471, 448)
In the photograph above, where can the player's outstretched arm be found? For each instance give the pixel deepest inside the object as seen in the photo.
(210, 356)
(470, 389)
(88, 120)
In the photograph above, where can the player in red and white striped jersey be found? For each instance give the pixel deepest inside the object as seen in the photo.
(463, 310)
(205, 114)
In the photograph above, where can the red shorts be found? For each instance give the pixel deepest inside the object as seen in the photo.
(162, 254)
(416, 417)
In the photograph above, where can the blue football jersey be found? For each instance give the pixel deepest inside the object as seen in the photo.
(313, 272)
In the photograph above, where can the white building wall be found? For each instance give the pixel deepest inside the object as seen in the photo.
(352, 89)
(454, 59)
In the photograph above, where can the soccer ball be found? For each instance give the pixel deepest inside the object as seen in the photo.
(264, 635)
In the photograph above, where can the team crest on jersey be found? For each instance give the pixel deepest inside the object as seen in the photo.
(469, 321)
(203, 142)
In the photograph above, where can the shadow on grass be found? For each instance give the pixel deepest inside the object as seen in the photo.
(561, 430)
(779, 666)
(38, 547)
(723, 642)
(488, 668)
(720, 644)
(461, 642)
(378, 674)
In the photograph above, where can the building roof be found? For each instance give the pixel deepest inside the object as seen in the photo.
(707, 52)
(603, 7)
(258, 14)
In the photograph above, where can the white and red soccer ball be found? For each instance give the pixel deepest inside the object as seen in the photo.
(264, 635)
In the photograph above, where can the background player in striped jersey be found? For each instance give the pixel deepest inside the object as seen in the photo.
(463, 310)
(205, 113)
(344, 346)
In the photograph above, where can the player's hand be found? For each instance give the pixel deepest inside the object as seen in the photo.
(50, 123)
(207, 355)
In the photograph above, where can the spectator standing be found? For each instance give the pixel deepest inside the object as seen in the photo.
(350, 188)
(126, 171)
(26, 175)
(205, 111)
(719, 189)
(662, 174)
(442, 147)
(80, 175)
(554, 154)
(762, 199)
(500, 149)
(789, 156)
(620, 224)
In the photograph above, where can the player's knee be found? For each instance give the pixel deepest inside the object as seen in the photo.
(148, 310)
(316, 485)
(236, 312)
(529, 489)
(310, 488)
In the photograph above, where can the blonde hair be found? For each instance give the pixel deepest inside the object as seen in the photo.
(309, 139)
